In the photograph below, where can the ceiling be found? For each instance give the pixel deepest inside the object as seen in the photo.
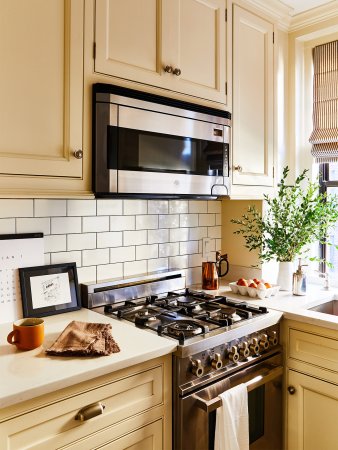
(300, 6)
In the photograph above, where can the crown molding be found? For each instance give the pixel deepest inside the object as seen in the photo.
(277, 10)
(314, 16)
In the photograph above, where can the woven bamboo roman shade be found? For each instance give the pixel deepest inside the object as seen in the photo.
(324, 137)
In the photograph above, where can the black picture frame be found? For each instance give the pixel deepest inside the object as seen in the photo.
(43, 289)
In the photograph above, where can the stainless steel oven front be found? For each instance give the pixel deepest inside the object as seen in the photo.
(147, 145)
(195, 407)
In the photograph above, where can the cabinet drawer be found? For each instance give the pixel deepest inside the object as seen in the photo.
(54, 425)
(314, 349)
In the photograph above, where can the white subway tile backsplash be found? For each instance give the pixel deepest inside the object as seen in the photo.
(158, 206)
(81, 207)
(86, 274)
(158, 264)
(66, 257)
(198, 233)
(95, 224)
(16, 208)
(108, 271)
(194, 276)
(198, 206)
(169, 221)
(158, 236)
(55, 243)
(188, 247)
(95, 257)
(135, 237)
(135, 268)
(178, 262)
(7, 226)
(188, 220)
(218, 219)
(215, 232)
(195, 260)
(121, 223)
(122, 254)
(206, 220)
(146, 222)
(132, 207)
(47, 259)
(109, 207)
(168, 249)
(214, 206)
(147, 251)
(64, 225)
(109, 239)
(179, 234)
(83, 241)
(178, 206)
(50, 208)
(33, 225)
(218, 244)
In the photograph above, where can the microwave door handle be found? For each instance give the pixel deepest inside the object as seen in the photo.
(258, 380)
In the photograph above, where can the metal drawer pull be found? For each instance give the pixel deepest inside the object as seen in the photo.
(259, 380)
(292, 390)
(88, 412)
(238, 168)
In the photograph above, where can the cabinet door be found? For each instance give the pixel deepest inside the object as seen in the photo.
(194, 46)
(41, 52)
(252, 139)
(178, 45)
(312, 413)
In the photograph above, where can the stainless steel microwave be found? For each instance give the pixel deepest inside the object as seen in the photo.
(150, 146)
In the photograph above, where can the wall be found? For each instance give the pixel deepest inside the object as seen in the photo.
(116, 238)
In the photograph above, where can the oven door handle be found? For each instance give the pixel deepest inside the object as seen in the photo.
(258, 380)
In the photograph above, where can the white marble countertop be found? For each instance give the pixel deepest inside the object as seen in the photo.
(28, 374)
(293, 307)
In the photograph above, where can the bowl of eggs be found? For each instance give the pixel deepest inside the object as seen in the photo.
(253, 288)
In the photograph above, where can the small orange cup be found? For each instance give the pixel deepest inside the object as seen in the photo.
(27, 333)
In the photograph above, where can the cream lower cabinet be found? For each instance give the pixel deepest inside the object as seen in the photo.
(41, 92)
(129, 409)
(252, 97)
(178, 45)
(311, 392)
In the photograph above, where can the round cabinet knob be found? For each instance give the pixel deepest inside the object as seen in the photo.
(264, 342)
(197, 368)
(233, 354)
(292, 390)
(244, 350)
(78, 154)
(216, 361)
(168, 69)
(273, 338)
(238, 168)
(177, 71)
(254, 347)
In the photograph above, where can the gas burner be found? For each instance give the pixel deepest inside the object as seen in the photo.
(194, 308)
(184, 301)
(143, 316)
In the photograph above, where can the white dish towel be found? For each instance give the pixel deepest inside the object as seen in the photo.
(232, 420)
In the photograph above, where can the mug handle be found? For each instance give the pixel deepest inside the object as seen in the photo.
(13, 334)
(223, 258)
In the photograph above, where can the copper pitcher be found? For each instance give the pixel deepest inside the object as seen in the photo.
(212, 271)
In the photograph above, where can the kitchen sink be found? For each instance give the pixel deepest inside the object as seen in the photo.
(330, 307)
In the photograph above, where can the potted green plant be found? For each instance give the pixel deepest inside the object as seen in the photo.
(295, 217)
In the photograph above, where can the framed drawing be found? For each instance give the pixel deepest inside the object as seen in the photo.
(48, 290)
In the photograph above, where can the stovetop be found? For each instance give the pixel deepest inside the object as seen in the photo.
(185, 314)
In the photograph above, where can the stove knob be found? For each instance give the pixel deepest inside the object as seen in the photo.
(264, 342)
(254, 347)
(273, 338)
(233, 354)
(216, 361)
(197, 368)
(244, 350)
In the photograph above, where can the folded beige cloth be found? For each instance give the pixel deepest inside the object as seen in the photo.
(84, 339)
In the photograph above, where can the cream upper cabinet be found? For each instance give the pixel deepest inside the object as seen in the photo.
(252, 97)
(41, 92)
(178, 45)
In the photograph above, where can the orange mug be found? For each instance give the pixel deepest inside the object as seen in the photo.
(27, 333)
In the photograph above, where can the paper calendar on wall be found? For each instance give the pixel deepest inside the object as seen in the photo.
(16, 250)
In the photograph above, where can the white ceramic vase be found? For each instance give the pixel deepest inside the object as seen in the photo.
(285, 273)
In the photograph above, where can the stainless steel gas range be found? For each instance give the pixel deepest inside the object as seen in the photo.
(220, 343)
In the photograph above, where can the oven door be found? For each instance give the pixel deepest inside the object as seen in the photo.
(195, 414)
